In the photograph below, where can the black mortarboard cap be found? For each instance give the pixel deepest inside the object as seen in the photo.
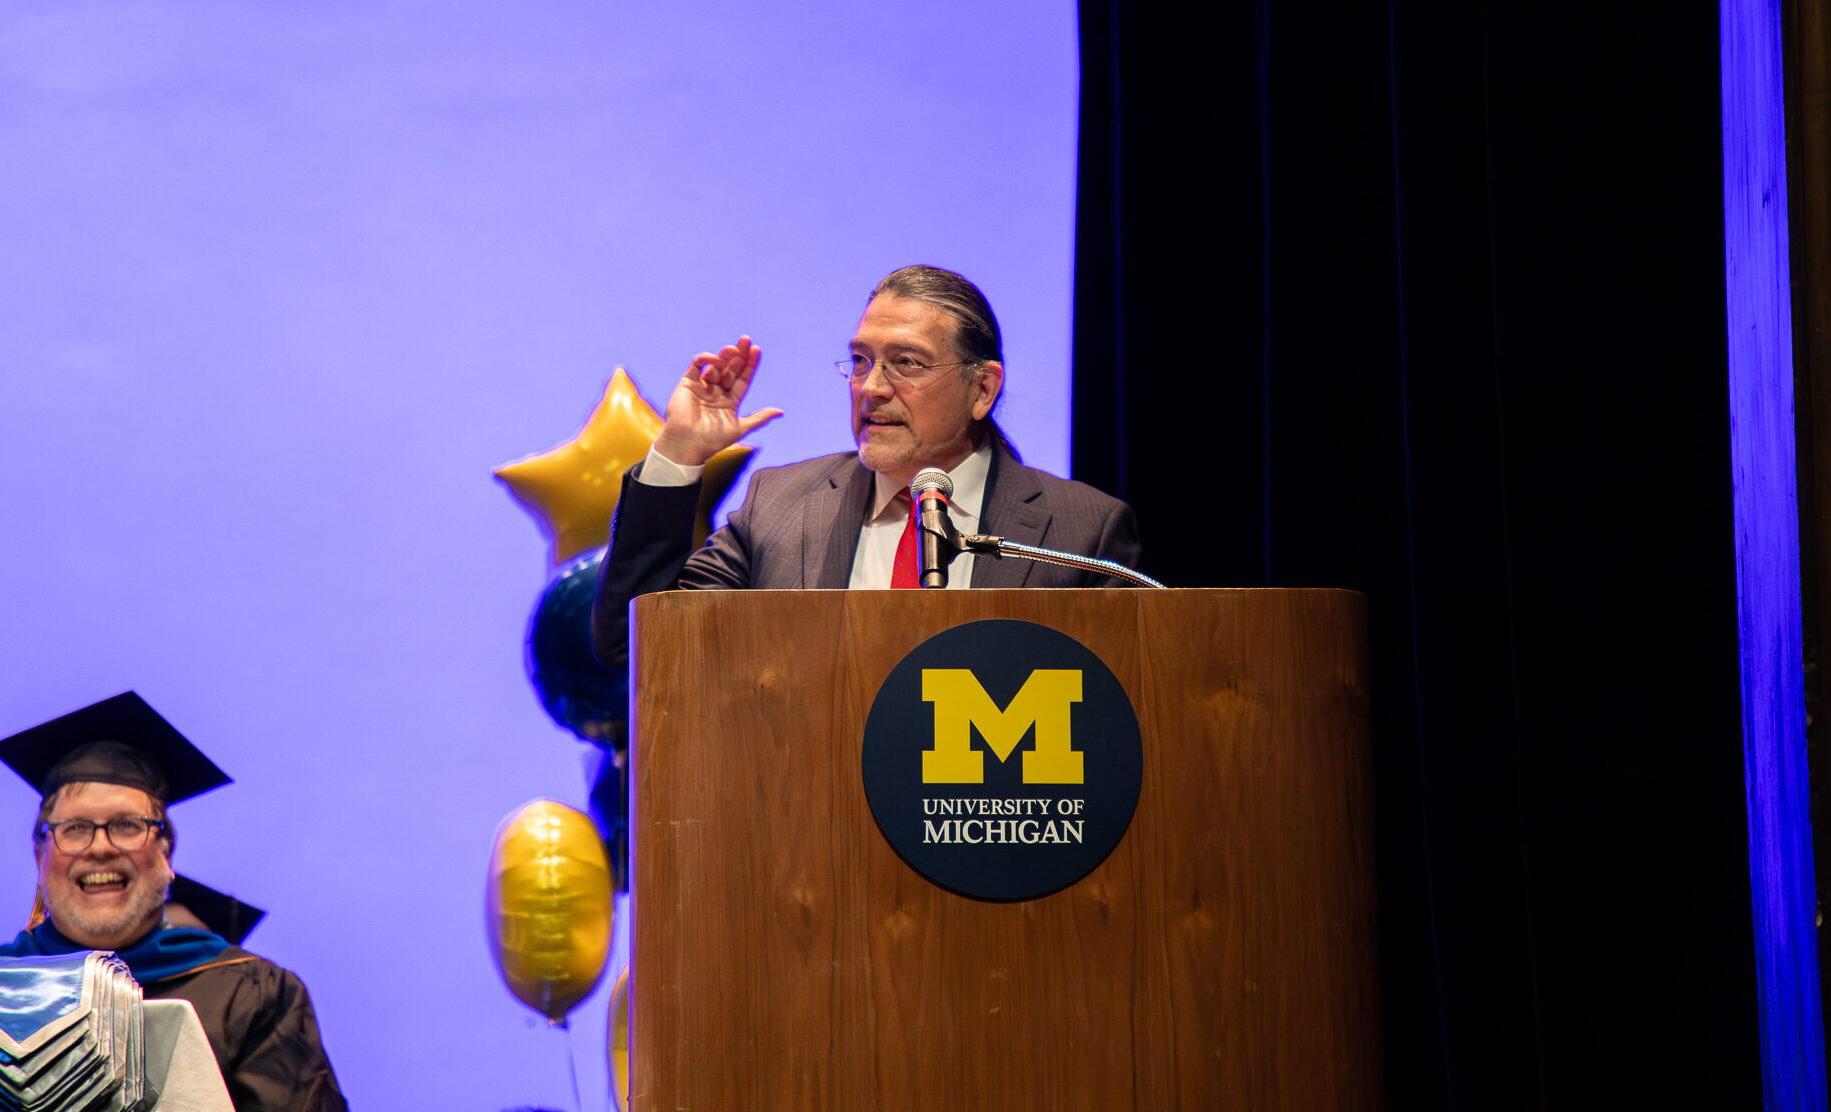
(116, 741)
(223, 914)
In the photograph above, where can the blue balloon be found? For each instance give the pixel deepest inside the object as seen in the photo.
(578, 693)
(610, 811)
(584, 696)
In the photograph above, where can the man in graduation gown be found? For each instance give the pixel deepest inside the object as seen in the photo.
(103, 844)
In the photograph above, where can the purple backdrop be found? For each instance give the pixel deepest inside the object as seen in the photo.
(282, 283)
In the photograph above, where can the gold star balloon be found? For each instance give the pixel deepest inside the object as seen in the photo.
(572, 490)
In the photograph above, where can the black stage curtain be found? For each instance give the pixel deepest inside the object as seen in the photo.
(1426, 300)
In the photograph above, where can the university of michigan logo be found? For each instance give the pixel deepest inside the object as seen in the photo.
(1002, 760)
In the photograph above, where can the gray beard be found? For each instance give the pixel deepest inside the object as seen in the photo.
(146, 904)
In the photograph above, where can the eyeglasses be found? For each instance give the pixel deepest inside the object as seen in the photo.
(904, 371)
(125, 833)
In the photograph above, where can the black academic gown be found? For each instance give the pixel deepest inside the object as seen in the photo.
(257, 1016)
(260, 1023)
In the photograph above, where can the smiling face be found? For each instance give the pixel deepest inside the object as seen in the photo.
(102, 897)
(902, 429)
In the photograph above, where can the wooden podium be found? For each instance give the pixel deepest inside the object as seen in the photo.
(784, 956)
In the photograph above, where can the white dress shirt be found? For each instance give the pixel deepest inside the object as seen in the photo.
(883, 527)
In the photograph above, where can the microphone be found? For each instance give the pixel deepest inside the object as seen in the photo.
(940, 541)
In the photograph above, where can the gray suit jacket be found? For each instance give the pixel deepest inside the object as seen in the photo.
(799, 525)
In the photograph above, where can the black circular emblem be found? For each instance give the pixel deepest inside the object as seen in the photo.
(1002, 760)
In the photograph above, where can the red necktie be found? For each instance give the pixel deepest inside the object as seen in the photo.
(906, 573)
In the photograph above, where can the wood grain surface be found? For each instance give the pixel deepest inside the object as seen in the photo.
(784, 957)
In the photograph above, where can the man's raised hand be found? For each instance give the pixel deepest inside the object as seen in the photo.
(702, 415)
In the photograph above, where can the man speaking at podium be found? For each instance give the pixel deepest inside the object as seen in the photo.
(926, 369)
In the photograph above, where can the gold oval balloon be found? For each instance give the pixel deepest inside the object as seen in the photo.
(619, 1040)
(549, 906)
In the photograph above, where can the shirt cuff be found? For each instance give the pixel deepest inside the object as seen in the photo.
(659, 470)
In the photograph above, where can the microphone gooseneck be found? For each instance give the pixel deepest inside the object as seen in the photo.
(941, 542)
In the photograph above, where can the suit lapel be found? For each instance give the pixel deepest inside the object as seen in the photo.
(830, 523)
(1010, 511)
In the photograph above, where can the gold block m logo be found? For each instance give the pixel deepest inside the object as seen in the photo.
(1044, 701)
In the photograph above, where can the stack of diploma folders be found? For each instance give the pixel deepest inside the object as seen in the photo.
(71, 1035)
